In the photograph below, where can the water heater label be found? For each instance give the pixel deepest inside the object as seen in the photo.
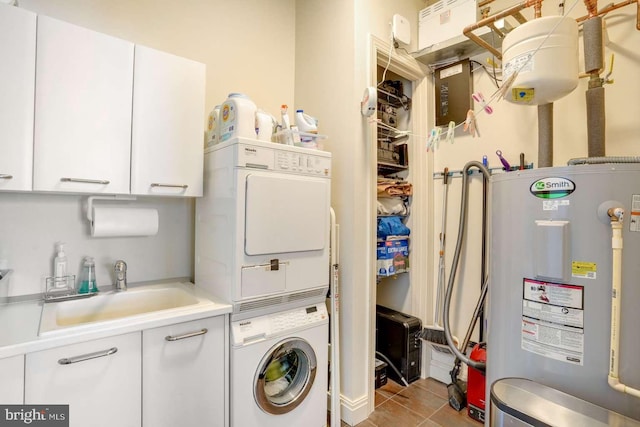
(553, 320)
(584, 270)
(552, 188)
(634, 222)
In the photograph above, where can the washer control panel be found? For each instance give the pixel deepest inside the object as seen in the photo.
(260, 328)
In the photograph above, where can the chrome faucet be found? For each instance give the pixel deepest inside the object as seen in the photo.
(120, 268)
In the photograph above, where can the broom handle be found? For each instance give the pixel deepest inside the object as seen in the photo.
(438, 317)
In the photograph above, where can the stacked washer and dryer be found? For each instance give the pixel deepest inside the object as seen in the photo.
(262, 245)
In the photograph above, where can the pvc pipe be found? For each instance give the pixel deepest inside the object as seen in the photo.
(616, 296)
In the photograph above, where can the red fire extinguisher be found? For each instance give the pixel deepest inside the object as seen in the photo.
(476, 384)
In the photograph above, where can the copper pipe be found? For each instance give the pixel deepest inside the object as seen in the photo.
(612, 8)
(592, 7)
(537, 8)
(468, 31)
(496, 30)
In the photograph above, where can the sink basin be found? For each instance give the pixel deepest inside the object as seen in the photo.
(115, 305)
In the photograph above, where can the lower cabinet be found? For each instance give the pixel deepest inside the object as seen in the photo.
(169, 376)
(100, 380)
(12, 384)
(184, 375)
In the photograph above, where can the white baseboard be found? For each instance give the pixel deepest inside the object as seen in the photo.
(354, 412)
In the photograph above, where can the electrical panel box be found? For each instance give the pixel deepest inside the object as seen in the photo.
(453, 87)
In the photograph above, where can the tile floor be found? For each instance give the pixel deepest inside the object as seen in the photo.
(424, 404)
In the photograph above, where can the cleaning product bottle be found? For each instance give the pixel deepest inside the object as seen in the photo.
(237, 118)
(264, 125)
(213, 133)
(88, 277)
(306, 124)
(60, 266)
(286, 125)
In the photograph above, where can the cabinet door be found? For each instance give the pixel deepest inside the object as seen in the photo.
(168, 124)
(17, 68)
(100, 380)
(84, 84)
(12, 374)
(184, 374)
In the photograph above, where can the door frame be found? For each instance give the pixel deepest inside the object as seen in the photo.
(421, 166)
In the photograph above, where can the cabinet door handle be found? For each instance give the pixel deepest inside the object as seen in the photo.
(156, 184)
(88, 356)
(189, 335)
(5, 176)
(86, 181)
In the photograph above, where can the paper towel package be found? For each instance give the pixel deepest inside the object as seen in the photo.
(121, 222)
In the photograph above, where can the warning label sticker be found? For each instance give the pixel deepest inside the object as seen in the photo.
(634, 222)
(553, 320)
(584, 270)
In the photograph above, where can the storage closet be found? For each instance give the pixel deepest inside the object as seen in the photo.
(394, 191)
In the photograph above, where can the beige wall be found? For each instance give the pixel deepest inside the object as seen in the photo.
(247, 45)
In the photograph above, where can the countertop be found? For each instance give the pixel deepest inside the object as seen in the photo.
(20, 322)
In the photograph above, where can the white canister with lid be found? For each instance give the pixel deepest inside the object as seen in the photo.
(237, 117)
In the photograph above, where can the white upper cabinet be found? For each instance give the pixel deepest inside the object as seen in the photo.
(17, 69)
(168, 124)
(84, 82)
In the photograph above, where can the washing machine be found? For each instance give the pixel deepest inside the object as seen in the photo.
(262, 226)
(279, 369)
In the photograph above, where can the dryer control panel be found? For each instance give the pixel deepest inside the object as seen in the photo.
(259, 328)
(279, 157)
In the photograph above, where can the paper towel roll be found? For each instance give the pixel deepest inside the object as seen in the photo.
(112, 222)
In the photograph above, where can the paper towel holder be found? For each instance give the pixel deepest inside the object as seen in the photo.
(114, 197)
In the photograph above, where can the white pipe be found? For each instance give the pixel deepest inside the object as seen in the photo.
(616, 295)
(335, 321)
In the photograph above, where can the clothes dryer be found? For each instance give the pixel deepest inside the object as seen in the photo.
(279, 369)
(262, 227)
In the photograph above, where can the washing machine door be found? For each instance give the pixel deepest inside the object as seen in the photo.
(285, 376)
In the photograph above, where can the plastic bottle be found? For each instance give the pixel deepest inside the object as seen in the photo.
(237, 118)
(264, 125)
(88, 277)
(213, 134)
(60, 265)
(286, 125)
(306, 124)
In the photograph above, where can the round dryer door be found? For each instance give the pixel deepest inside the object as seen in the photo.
(285, 376)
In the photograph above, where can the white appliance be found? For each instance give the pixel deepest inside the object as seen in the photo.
(445, 20)
(279, 372)
(553, 274)
(262, 227)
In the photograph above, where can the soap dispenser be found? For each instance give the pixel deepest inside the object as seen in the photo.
(88, 277)
(60, 265)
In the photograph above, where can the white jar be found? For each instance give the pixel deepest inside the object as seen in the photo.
(237, 117)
